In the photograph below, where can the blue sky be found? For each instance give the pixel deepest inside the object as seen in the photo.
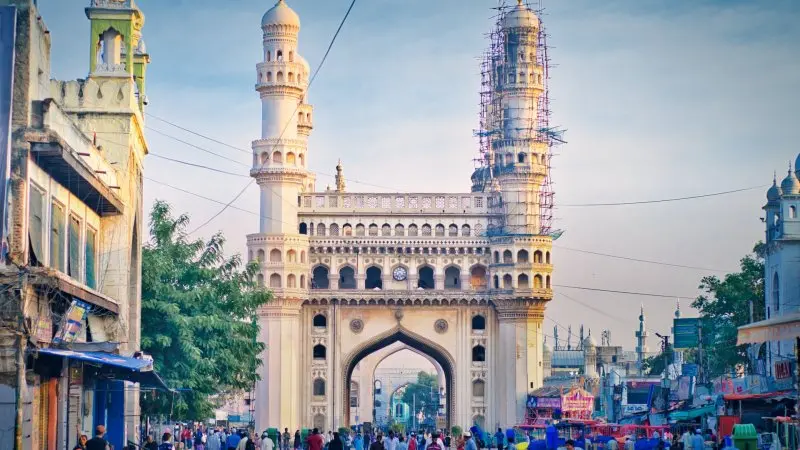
(659, 99)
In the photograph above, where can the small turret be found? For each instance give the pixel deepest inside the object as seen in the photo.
(340, 185)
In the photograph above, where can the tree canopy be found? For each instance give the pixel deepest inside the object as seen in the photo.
(424, 394)
(199, 319)
(724, 306)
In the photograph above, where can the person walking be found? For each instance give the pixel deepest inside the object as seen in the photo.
(378, 444)
(165, 441)
(284, 439)
(98, 442)
(81, 445)
(401, 443)
(434, 442)
(233, 440)
(336, 442)
(358, 442)
(297, 440)
(469, 443)
(315, 441)
(266, 442)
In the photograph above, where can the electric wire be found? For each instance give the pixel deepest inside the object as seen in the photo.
(613, 291)
(200, 166)
(663, 200)
(310, 83)
(647, 261)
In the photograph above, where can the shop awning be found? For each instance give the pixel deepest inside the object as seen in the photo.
(778, 395)
(692, 413)
(776, 329)
(126, 368)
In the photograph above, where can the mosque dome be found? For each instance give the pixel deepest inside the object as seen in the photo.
(280, 14)
(796, 167)
(520, 16)
(790, 185)
(141, 47)
(589, 342)
(546, 349)
(774, 192)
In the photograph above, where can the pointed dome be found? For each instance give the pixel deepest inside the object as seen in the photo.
(790, 185)
(796, 166)
(774, 192)
(520, 16)
(589, 342)
(546, 349)
(280, 14)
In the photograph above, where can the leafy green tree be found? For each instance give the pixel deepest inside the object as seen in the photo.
(198, 318)
(725, 306)
(424, 394)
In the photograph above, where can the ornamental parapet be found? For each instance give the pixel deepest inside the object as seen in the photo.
(413, 203)
(400, 297)
(265, 175)
(259, 239)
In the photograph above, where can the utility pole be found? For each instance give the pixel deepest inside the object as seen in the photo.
(21, 344)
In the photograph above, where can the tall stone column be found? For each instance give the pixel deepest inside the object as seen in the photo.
(520, 359)
(278, 391)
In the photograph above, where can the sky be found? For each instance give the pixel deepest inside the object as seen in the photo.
(659, 99)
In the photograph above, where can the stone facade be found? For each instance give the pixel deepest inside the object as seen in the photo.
(462, 278)
(77, 158)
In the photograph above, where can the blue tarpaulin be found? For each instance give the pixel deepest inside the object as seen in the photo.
(137, 370)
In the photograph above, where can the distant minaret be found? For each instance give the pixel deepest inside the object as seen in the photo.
(569, 337)
(555, 337)
(581, 341)
(339, 177)
(641, 340)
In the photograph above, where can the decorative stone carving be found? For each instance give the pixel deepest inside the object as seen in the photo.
(441, 326)
(113, 4)
(356, 326)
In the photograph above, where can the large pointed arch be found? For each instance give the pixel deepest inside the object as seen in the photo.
(413, 340)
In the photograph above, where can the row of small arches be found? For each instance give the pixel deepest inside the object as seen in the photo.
(522, 77)
(276, 256)
(266, 77)
(320, 353)
(278, 55)
(522, 158)
(426, 280)
(276, 281)
(478, 322)
(539, 257)
(277, 158)
(386, 230)
(523, 282)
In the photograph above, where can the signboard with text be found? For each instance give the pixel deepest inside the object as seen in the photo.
(783, 370)
(686, 332)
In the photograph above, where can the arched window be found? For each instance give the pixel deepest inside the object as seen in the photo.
(478, 353)
(277, 158)
(291, 56)
(425, 280)
(426, 230)
(373, 229)
(776, 293)
(264, 158)
(260, 280)
(496, 257)
(792, 212)
(320, 352)
(279, 55)
(320, 321)
(347, 230)
(522, 281)
(452, 231)
(353, 394)
(319, 278)
(537, 281)
(440, 230)
(478, 388)
(521, 158)
(302, 160)
(261, 255)
(291, 159)
(509, 159)
(303, 228)
(302, 281)
(319, 391)
(399, 230)
(496, 282)
(347, 278)
(360, 229)
(412, 230)
(274, 255)
(477, 278)
(279, 77)
(319, 421)
(522, 256)
(386, 230)
(302, 256)
(320, 229)
(508, 258)
(290, 77)
(275, 280)
(269, 77)
(269, 56)
(547, 282)
(507, 282)
(478, 322)
(333, 230)
(537, 257)
(465, 230)
(547, 258)
(291, 281)
(451, 278)
(291, 256)
(373, 278)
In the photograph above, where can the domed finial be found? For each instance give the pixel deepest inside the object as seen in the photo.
(340, 184)
(678, 309)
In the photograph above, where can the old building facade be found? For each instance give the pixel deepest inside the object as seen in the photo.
(72, 272)
(462, 278)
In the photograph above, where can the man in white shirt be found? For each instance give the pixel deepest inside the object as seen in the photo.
(391, 443)
(267, 444)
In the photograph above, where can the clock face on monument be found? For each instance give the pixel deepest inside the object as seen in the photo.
(399, 274)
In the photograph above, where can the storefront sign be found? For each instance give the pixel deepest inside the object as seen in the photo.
(783, 370)
(686, 332)
(544, 402)
(73, 322)
(633, 409)
(577, 400)
(44, 329)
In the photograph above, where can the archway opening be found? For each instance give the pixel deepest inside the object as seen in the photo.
(347, 278)
(426, 278)
(410, 389)
(431, 350)
(451, 278)
(374, 280)
(319, 278)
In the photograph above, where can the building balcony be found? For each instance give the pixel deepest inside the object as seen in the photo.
(47, 278)
(71, 159)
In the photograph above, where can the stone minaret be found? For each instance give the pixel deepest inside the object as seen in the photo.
(280, 169)
(641, 341)
(340, 184)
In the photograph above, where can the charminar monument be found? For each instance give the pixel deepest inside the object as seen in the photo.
(460, 278)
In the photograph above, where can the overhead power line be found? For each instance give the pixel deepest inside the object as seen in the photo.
(200, 166)
(663, 200)
(196, 146)
(643, 294)
(647, 261)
